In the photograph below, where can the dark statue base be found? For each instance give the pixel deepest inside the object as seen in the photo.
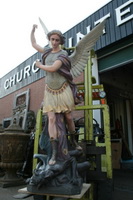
(66, 189)
(45, 196)
(65, 176)
(61, 178)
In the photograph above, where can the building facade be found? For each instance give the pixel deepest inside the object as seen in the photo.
(114, 64)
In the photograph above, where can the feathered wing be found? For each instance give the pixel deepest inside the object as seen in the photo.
(80, 55)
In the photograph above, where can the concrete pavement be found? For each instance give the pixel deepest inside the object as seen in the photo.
(10, 192)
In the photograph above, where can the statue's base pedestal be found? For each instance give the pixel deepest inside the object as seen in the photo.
(65, 189)
(84, 189)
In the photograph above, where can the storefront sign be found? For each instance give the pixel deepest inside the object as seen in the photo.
(20, 76)
(123, 14)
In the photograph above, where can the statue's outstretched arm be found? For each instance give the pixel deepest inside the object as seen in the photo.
(34, 44)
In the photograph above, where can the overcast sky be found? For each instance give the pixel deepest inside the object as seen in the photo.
(18, 16)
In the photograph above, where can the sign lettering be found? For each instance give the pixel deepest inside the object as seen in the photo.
(19, 76)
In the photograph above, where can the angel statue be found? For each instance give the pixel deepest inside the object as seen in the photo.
(60, 95)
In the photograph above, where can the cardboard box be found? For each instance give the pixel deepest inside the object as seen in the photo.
(116, 147)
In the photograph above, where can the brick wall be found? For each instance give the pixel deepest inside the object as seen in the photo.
(36, 98)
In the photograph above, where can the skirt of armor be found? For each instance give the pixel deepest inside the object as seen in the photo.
(58, 101)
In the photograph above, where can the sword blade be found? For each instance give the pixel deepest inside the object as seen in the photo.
(45, 29)
(43, 26)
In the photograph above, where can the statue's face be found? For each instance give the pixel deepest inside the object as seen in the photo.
(55, 40)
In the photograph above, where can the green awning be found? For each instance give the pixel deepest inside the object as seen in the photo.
(115, 59)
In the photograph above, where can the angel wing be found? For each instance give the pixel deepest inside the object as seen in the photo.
(79, 57)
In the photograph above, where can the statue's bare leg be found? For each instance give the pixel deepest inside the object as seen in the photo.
(53, 136)
(71, 129)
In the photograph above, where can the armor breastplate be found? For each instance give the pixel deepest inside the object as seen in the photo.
(54, 80)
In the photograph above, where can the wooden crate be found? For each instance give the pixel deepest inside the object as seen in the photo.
(116, 147)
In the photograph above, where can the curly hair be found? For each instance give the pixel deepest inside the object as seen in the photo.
(62, 38)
